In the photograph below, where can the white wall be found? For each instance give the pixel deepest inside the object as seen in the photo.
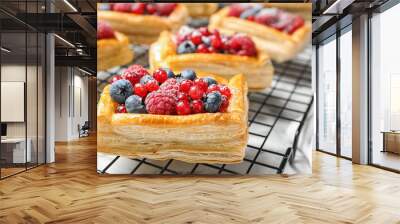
(70, 83)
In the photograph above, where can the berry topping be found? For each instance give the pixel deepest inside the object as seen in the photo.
(160, 75)
(140, 90)
(186, 47)
(209, 80)
(202, 48)
(182, 97)
(134, 104)
(151, 8)
(224, 90)
(252, 11)
(213, 102)
(183, 108)
(185, 85)
(138, 8)
(242, 45)
(104, 31)
(170, 73)
(134, 74)
(164, 9)
(196, 37)
(237, 9)
(146, 79)
(122, 7)
(196, 92)
(201, 83)
(197, 106)
(224, 104)
(212, 88)
(120, 90)
(121, 109)
(151, 85)
(161, 103)
(115, 78)
(160, 9)
(188, 74)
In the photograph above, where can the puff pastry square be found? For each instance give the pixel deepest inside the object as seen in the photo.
(279, 45)
(144, 29)
(257, 70)
(196, 138)
(201, 10)
(113, 52)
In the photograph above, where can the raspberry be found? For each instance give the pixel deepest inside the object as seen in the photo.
(140, 90)
(201, 83)
(151, 85)
(267, 16)
(296, 23)
(120, 109)
(115, 78)
(185, 85)
(182, 96)
(164, 9)
(104, 31)
(204, 31)
(183, 108)
(212, 50)
(202, 48)
(242, 45)
(224, 90)
(161, 103)
(196, 92)
(196, 38)
(122, 7)
(151, 8)
(224, 104)
(138, 8)
(170, 86)
(160, 75)
(134, 73)
(212, 88)
(236, 9)
(197, 106)
(216, 42)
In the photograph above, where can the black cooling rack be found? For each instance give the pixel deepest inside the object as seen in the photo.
(276, 119)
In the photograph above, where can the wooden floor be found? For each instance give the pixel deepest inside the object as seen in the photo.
(70, 191)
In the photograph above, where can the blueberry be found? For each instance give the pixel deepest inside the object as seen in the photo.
(104, 7)
(120, 90)
(134, 104)
(251, 11)
(186, 47)
(179, 79)
(213, 102)
(145, 79)
(210, 81)
(188, 74)
(170, 73)
(206, 40)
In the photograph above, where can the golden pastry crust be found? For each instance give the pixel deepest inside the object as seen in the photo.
(142, 29)
(279, 45)
(201, 10)
(302, 9)
(113, 52)
(257, 70)
(197, 138)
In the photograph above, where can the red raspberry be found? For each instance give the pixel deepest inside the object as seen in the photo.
(251, 18)
(151, 9)
(134, 73)
(202, 48)
(115, 78)
(104, 31)
(185, 85)
(170, 86)
(196, 38)
(224, 104)
(296, 23)
(122, 7)
(204, 31)
(182, 97)
(242, 45)
(197, 106)
(201, 83)
(160, 75)
(236, 9)
(212, 50)
(213, 88)
(224, 90)
(138, 8)
(151, 85)
(164, 9)
(140, 90)
(183, 108)
(120, 109)
(216, 42)
(196, 92)
(161, 103)
(267, 17)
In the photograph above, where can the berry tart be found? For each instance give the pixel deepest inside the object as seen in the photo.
(303, 9)
(166, 115)
(201, 10)
(279, 33)
(143, 22)
(112, 47)
(208, 51)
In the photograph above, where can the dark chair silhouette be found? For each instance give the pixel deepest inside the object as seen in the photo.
(84, 130)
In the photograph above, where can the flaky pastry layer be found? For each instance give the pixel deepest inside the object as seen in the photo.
(141, 29)
(197, 138)
(201, 10)
(279, 45)
(113, 52)
(257, 70)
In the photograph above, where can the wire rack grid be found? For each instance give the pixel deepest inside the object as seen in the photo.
(276, 118)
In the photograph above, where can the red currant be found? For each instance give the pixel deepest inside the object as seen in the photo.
(115, 78)
(197, 106)
(185, 85)
(151, 85)
(151, 9)
(183, 108)
(212, 88)
(204, 31)
(140, 90)
(224, 104)
(211, 49)
(196, 92)
(202, 48)
(224, 90)
(201, 83)
(196, 38)
(182, 97)
(160, 75)
(216, 42)
(138, 8)
(120, 109)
